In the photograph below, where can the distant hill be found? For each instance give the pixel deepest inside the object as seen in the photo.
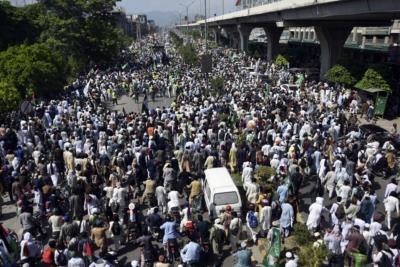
(163, 18)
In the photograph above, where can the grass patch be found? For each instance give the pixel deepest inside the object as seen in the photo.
(237, 179)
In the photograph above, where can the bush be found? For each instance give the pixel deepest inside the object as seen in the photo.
(340, 74)
(281, 61)
(311, 256)
(373, 78)
(301, 234)
(264, 172)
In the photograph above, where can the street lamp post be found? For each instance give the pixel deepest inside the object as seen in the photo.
(187, 14)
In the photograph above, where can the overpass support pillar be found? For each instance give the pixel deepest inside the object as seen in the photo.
(332, 39)
(244, 34)
(217, 35)
(273, 34)
(232, 37)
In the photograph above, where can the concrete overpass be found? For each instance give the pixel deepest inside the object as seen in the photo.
(333, 21)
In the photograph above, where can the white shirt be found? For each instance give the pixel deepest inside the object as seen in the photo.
(360, 223)
(173, 196)
(391, 204)
(390, 187)
(332, 211)
(374, 228)
(344, 192)
(76, 262)
(291, 263)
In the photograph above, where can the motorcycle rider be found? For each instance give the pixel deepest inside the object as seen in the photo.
(154, 221)
(171, 233)
(190, 253)
(148, 250)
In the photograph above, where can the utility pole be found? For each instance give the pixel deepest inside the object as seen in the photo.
(223, 7)
(205, 39)
(187, 14)
(205, 25)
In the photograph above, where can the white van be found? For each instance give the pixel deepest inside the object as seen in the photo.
(220, 191)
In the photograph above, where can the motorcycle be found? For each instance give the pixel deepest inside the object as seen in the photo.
(172, 251)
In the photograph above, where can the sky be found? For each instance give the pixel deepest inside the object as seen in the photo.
(176, 6)
(166, 12)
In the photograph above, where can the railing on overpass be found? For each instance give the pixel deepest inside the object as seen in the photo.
(268, 7)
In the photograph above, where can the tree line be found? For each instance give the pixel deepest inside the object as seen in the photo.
(46, 45)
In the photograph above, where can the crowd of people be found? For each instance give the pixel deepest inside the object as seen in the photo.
(88, 181)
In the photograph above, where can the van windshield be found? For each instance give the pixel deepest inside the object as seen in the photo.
(225, 198)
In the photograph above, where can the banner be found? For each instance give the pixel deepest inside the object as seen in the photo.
(86, 89)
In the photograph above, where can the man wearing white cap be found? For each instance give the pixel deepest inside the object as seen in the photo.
(291, 260)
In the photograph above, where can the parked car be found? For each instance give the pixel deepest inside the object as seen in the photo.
(375, 132)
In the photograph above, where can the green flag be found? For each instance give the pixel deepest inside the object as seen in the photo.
(274, 251)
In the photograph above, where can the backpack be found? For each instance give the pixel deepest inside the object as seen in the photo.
(397, 259)
(219, 235)
(380, 238)
(364, 247)
(116, 229)
(61, 258)
(339, 213)
(253, 222)
(47, 256)
(114, 207)
(235, 231)
(385, 260)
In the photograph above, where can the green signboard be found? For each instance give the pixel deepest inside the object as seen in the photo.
(380, 104)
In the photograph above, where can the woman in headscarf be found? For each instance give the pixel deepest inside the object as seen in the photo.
(233, 158)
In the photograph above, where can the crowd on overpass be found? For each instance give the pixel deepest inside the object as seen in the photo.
(101, 181)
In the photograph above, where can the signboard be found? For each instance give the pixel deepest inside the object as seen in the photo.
(380, 104)
(206, 63)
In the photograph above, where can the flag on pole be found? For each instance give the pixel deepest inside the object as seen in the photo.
(86, 89)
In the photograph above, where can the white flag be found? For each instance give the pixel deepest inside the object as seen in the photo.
(86, 89)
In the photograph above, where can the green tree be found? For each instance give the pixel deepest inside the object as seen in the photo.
(189, 54)
(34, 68)
(9, 97)
(281, 61)
(16, 25)
(84, 31)
(340, 74)
(373, 78)
(217, 86)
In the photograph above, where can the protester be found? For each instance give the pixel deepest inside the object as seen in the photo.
(100, 173)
